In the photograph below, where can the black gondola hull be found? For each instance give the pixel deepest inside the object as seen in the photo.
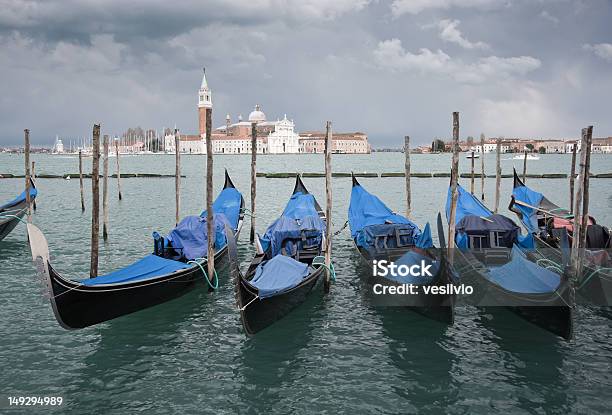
(7, 224)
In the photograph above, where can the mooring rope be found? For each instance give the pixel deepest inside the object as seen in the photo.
(14, 217)
(199, 264)
(341, 229)
(319, 261)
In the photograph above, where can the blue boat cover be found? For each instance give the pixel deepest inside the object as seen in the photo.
(228, 203)
(412, 258)
(523, 276)
(528, 215)
(467, 204)
(278, 275)
(371, 220)
(19, 199)
(190, 237)
(299, 220)
(148, 267)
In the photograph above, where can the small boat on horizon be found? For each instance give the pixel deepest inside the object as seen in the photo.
(529, 157)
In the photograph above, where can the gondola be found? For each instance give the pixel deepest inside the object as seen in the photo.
(12, 212)
(379, 234)
(287, 265)
(490, 253)
(176, 266)
(548, 223)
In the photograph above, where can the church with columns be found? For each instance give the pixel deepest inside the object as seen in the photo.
(273, 137)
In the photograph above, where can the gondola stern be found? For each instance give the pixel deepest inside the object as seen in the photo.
(228, 181)
(299, 185)
(354, 180)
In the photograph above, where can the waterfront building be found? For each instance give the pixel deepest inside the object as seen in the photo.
(342, 143)
(58, 147)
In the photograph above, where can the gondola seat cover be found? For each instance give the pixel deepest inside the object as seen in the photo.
(278, 275)
(228, 203)
(300, 222)
(523, 276)
(19, 199)
(190, 237)
(370, 218)
(410, 258)
(505, 228)
(148, 267)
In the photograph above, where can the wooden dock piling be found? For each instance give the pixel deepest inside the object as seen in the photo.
(177, 175)
(472, 176)
(498, 172)
(33, 175)
(586, 146)
(454, 194)
(328, 204)
(81, 180)
(27, 173)
(572, 174)
(482, 168)
(253, 178)
(105, 190)
(118, 170)
(95, 205)
(407, 175)
(210, 220)
(525, 167)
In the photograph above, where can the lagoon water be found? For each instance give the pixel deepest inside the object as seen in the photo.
(336, 353)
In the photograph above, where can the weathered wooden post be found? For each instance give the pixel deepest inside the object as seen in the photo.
(210, 220)
(572, 174)
(253, 178)
(472, 176)
(34, 180)
(105, 191)
(118, 171)
(525, 167)
(95, 205)
(454, 193)
(482, 168)
(497, 174)
(328, 204)
(26, 151)
(177, 174)
(578, 204)
(407, 175)
(81, 180)
(586, 172)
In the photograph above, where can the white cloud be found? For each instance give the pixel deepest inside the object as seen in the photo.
(547, 16)
(400, 7)
(450, 33)
(390, 54)
(603, 50)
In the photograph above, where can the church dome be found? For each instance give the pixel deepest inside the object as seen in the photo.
(257, 115)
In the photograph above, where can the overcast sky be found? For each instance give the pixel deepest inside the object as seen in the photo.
(538, 68)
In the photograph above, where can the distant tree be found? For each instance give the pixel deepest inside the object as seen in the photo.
(529, 146)
(542, 150)
(437, 145)
(470, 141)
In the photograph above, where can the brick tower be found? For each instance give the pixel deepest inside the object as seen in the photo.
(204, 104)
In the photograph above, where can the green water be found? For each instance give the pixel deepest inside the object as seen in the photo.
(335, 354)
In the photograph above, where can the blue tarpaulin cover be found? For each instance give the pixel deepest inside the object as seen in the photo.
(147, 267)
(190, 237)
(522, 276)
(528, 215)
(467, 204)
(278, 275)
(19, 199)
(299, 219)
(370, 218)
(228, 203)
(411, 258)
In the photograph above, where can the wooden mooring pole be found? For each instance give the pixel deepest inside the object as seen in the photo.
(498, 172)
(210, 220)
(572, 174)
(453, 185)
(34, 181)
(81, 180)
(105, 191)
(177, 175)
(525, 167)
(328, 204)
(482, 168)
(472, 176)
(407, 175)
(27, 173)
(118, 170)
(576, 231)
(253, 178)
(586, 145)
(95, 205)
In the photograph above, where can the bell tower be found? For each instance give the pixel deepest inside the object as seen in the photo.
(204, 104)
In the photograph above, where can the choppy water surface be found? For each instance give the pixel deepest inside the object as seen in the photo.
(335, 353)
